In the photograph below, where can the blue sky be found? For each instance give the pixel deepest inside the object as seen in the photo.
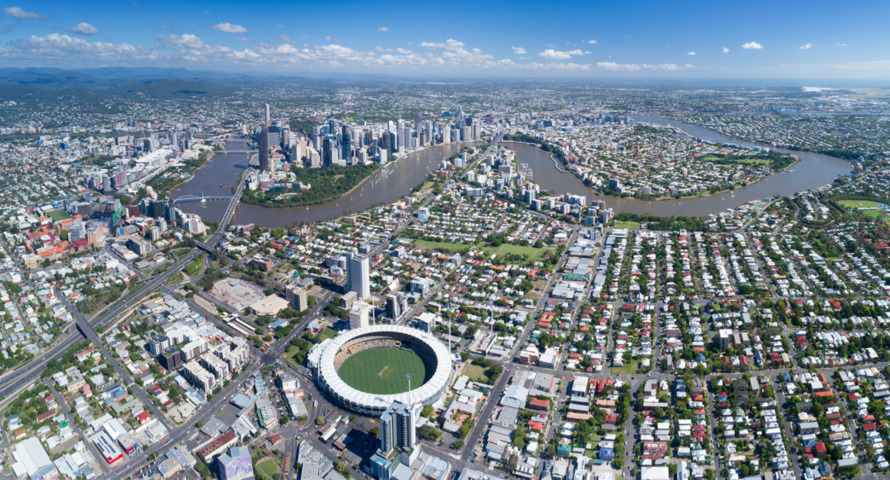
(593, 39)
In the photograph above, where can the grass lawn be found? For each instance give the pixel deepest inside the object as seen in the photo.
(174, 279)
(629, 368)
(382, 370)
(267, 468)
(289, 354)
(475, 372)
(857, 204)
(533, 254)
(327, 333)
(180, 252)
(734, 160)
(507, 248)
(442, 246)
(627, 225)
(56, 215)
(196, 265)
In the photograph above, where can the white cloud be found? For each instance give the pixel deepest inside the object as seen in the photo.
(840, 44)
(560, 55)
(725, 50)
(229, 28)
(190, 50)
(279, 25)
(519, 51)
(691, 54)
(592, 41)
(752, 46)
(612, 66)
(327, 38)
(192, 24)
(807, 46)
(84, 28)
(67, 49)
(19, 14)
(450, 44)
(633, 67)
(382, 29)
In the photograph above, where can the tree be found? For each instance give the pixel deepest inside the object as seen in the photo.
(428, 432)
(519, 437)
(493, 372)
(342, 468)
(319, 421)
(203, 469)
(466, 427)
(427, 411)
(512, 463)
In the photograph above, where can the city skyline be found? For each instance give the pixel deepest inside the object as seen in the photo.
(572, 40)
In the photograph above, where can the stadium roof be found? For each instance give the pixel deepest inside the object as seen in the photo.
(370, 402)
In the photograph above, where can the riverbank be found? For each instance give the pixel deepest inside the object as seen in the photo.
(392, 182)
(325, 179)
(194, 173)
(849, 156)
(810, 171)
(703, 194)
(538, 146)
(720, 192)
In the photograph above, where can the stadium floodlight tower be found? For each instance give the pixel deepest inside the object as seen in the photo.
(410, 405)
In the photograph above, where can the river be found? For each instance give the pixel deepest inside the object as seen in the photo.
(396, 179)
(393, 181)
(814, 170)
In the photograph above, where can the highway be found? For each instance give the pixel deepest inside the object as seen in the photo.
(85, 328)
(16, 381)
(24, 376)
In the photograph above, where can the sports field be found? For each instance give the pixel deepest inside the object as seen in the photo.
(382, 370)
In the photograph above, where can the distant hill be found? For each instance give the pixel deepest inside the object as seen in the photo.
(38, 84)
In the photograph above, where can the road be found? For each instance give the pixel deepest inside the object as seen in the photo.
(84, 326)
(16, 381)
(24, 376)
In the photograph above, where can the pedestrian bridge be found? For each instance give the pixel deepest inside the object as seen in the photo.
(195, 198)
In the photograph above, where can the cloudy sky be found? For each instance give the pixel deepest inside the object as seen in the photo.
(588, 39)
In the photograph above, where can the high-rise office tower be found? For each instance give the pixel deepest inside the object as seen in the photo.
(327, 151)
(386, 141)
(267, 119)
(358, 271)
(346, 142)
(274, 136)
(264, 148)
(397, 427)
(296, 151)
